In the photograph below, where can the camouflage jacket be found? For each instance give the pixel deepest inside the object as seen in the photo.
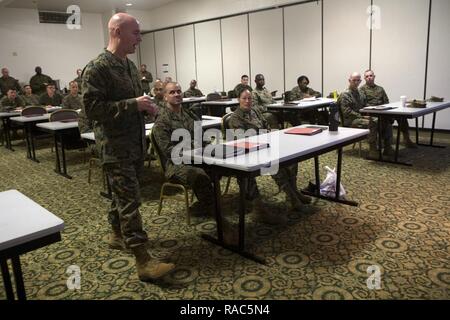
(350, 102)
(72, 102)
(46, 100)
(192, 93)
(261, 98)
(375, 95)
(9, 83)
(109, 89)
(166, 123)
(9, 105)
(32, 100)
(298, 94)
(84, 124)
(146, 82)
(246, 120)
(37, 83)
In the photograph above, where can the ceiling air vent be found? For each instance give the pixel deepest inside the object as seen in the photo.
(53, 17)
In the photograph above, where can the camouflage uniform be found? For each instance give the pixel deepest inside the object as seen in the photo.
(37, 83)
(350, 102)
(375, 96)
(311, 115)
(72, 102)
(261, 98)
(146, 82)
(287, 176)
(192, 93)
(31, 100)
(46, 100)
(194, 177)
(110, 87)
(9, 83)
(9, 105)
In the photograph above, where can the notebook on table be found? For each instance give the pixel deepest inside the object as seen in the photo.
(380, 108)
(250, 146)
(304, 131)
(224, 151)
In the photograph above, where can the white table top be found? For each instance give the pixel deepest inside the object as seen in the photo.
(58, 125)
(300, 104)
(23, 220)
(409, 112)
(231, 102)
(24, 119)
(194, 99)
(9, 114)
(283, 147)
(207, 122)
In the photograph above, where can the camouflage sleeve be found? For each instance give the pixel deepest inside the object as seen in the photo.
(295, 94)
(34, 85)
(234, 122)
(345, 102)
(314, 93)
(21, 103)
(95, 84)
(162, 134)
(187, 94)
(150, 77)
(385, 97)
(256, 99)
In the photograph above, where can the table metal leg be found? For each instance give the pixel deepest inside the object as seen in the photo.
(58, 163)
(431, 137)
(7, 280)
(18, 276)
(317, 175)
(7, 132)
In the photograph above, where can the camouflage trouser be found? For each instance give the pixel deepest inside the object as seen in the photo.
(372, 125)
(284, 177)
(197, 179)
(403, 125)
(124, 213)
(271, 119)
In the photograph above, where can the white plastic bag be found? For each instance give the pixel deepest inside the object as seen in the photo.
(328, 186)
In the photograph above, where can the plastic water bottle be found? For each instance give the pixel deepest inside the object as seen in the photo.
(333, 117)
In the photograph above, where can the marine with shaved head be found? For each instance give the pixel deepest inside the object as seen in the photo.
(112, 90)
(351, 101)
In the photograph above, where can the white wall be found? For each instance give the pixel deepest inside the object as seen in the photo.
(235, 50)
(266, 48)
(165, 54)
(26, 43)
(209, 56)
(303, 45)
(147, 53)
(346, 42)
(438, 81)
(188, 11)
(185, 56)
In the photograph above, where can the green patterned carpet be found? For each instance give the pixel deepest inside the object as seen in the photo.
(402, 225)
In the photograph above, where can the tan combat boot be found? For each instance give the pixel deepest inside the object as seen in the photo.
(115, 240)
(148, 269)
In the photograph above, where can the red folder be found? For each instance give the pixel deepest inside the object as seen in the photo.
(250, 146)
(304, 131)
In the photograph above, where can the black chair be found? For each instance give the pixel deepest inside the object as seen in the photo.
(67, 115)
(213, 97)
(286, 96)
(232, 94)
